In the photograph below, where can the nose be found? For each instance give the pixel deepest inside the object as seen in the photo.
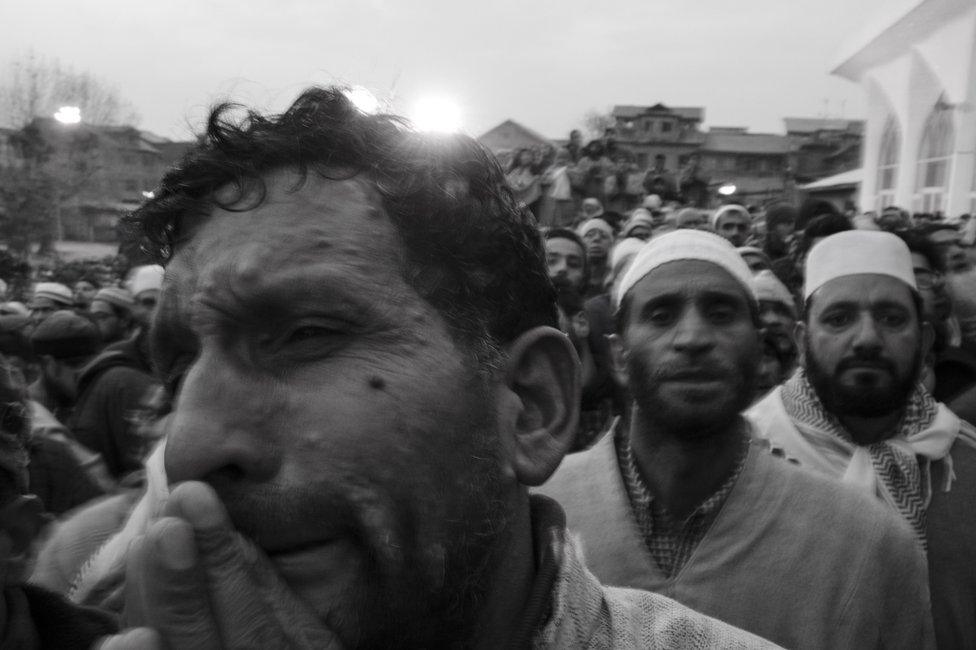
(221, 425)
(693, 333)
(867, 337)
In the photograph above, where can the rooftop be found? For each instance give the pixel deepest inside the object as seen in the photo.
(721, 141)
(696, 113)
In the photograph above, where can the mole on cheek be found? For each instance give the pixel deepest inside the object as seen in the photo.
(377, 383)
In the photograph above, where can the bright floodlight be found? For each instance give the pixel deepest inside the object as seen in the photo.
(437, 114)
(363, 99)
(148, 194)
(727, 190)
(68, 115)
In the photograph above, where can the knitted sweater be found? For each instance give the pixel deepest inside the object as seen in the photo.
(791, 557)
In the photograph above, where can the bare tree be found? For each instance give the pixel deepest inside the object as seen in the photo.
(34, 86)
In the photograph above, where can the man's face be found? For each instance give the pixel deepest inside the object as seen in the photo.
(328, 405)
(931, 287)
(954, 258)
(734, 226)
(776, 317)
(863, 345)
(84, 292)
(597, 243)
(690, 347)
(108, 322)
(41, 308)
(145, 306)
(565, 260)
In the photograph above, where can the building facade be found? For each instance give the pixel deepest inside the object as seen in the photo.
(919, 74)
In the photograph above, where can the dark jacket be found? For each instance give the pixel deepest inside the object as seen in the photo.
(111, 392)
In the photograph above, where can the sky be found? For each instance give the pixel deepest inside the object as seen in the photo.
(544, 64)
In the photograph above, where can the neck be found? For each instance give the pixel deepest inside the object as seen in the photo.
(682, 473)
(511, 583)
(866, 431)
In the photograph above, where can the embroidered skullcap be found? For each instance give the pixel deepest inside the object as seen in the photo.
(857, 252)
(768, 287)
(595, 223)
(686, 245)
(54, 291)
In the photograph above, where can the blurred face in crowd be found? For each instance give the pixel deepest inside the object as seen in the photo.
(688, 348)
(776, 317)
(691, 219)
(84, 292)
(863, 344)
(110, 325)
(597, 243)
(734, 226)
(659, 162)
(331, 409)
(755, 262)
(953, 256)
(931, 288)
(145, 306)
(41, 308)
(525, 157)
(565, 260)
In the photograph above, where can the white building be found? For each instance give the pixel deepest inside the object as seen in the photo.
(919, 73)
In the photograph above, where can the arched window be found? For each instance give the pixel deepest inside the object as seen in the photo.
(888, 165)
(934, 160)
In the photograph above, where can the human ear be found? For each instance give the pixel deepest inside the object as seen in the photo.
(618, 357)
(543, 372)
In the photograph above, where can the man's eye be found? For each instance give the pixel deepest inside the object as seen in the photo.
(721, 315)
(661, 316)
(309, 333)
(837, 320)
(893, 319)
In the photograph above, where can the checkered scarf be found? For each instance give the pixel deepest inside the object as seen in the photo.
(896, 469)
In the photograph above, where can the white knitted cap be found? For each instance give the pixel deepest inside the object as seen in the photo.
(685, 245)
(858, 252)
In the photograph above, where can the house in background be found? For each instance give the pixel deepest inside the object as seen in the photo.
(919, 73)
(510, 136)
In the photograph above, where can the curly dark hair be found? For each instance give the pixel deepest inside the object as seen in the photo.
(471, 252)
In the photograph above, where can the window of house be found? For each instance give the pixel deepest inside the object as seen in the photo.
(649, 126)
(666, 127)
(934, 160)
(887, 165)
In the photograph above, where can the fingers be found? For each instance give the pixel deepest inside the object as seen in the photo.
(166, 587)
(140, 638)
(251, 602)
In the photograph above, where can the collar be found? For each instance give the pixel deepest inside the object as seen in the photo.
(549, 544)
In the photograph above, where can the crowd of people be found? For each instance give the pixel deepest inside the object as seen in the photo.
(386, 394)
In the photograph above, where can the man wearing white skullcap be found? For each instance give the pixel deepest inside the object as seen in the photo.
(733, 223)
(677, 499)
(858, 413)
(597, 235)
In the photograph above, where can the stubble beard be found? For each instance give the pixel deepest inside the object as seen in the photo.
(691, 424)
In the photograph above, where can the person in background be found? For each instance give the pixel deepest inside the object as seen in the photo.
(678, 500)
(733, 223)
(84, 291)
(858, 413)
(63, 344)
(566, 258)
(780, 227)
(597, 235)
(33, 617)
(691, 219)
(558, 206)
(111, 309)
(47, 298)
(754, 258)
(523, 179)
(639, 225)
(789, 270)
(778, 315)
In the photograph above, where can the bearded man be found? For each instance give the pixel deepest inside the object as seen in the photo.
(858, 413)
(357, 334)
(678, 499)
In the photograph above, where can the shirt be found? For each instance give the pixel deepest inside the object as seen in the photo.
(670, 542)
